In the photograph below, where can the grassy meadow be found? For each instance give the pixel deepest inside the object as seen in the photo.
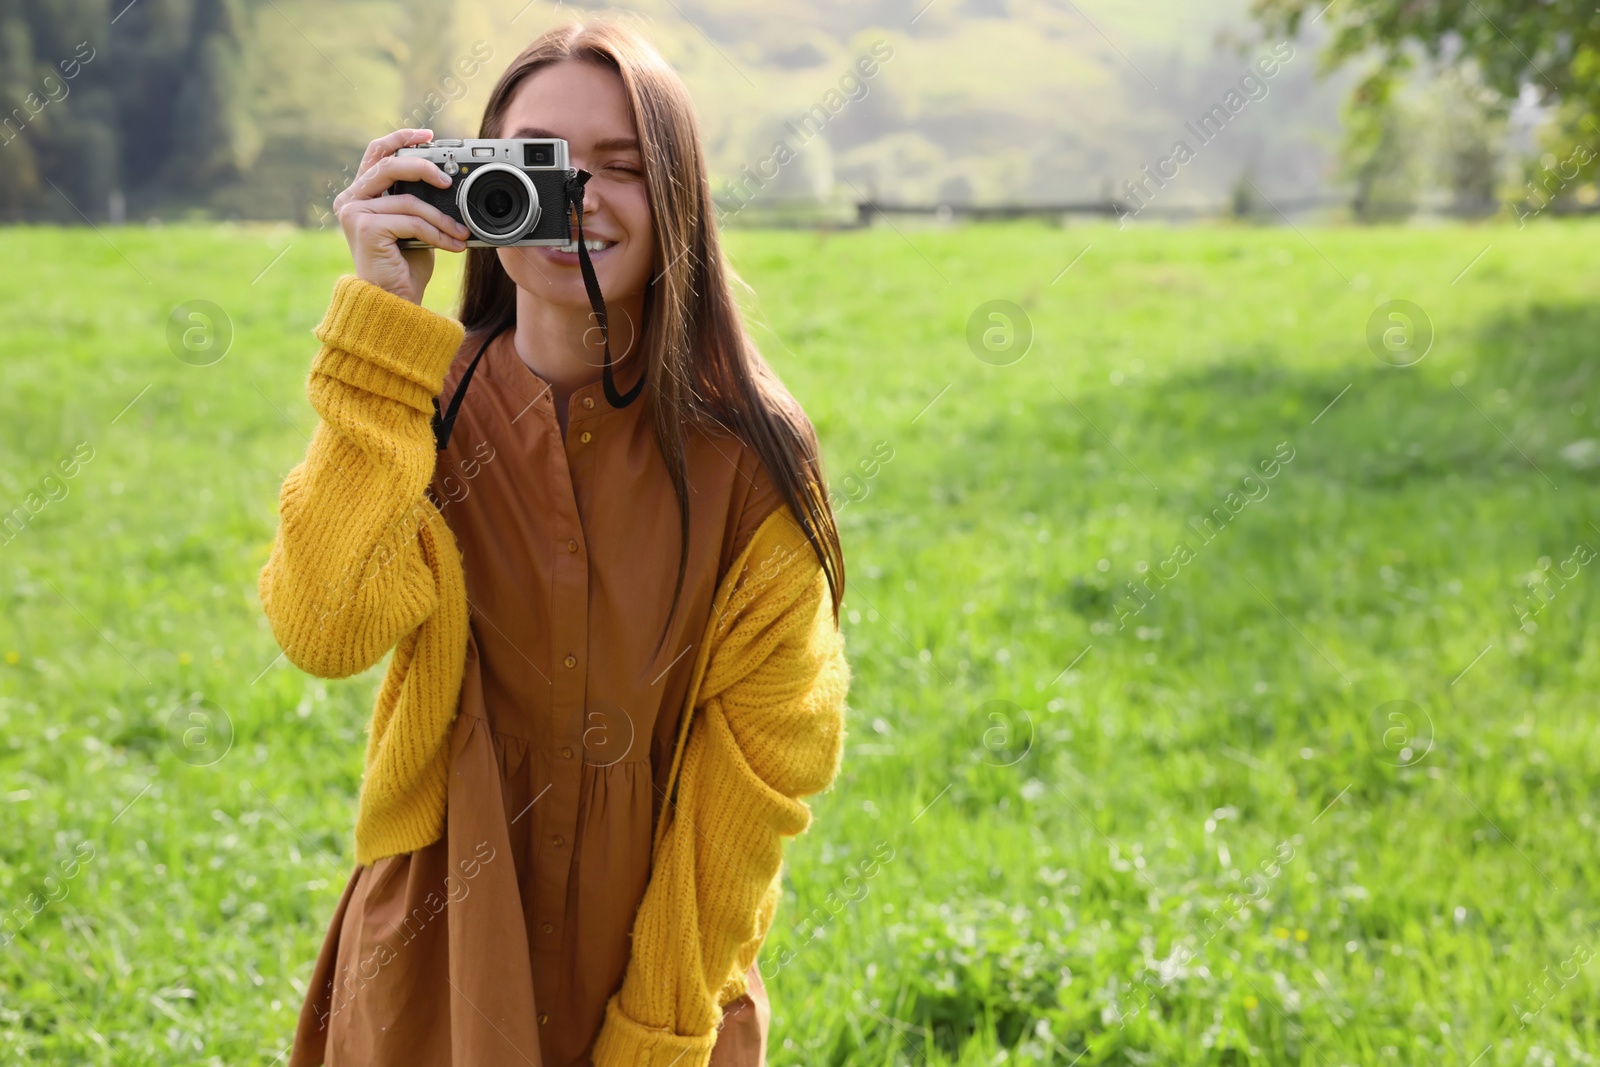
(1320, 794)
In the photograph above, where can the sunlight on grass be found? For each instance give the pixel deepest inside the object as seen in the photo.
(1318, 789)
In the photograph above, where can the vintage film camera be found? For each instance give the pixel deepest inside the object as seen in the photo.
(511, 191)
(508, 191)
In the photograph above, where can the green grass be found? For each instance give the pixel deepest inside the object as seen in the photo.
(1068, 847)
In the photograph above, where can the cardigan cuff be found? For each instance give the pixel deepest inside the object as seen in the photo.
(385, 344)
(625, 1043)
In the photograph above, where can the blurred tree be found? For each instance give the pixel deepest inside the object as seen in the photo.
(1471, 133)
(216, 135)
(428, 50)
(1552, 45)
(106, 103)
(1546, 51)
(43, 57)
(1380, 152)
(17, 69)
(1244, 202)
(1436, 142)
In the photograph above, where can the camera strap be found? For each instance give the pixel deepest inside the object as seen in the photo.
(575, 183)
(444, 422)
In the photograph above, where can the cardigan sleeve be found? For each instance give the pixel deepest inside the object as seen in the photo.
(363, 561)
(347, 576)
(767, 729)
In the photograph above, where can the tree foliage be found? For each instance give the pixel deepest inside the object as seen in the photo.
(109, 103)
(1553, 46)
(1548, 51)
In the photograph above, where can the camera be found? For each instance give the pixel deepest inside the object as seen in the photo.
(507, 191)
(510, 191)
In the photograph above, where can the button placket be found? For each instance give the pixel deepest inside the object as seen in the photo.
(569, 623)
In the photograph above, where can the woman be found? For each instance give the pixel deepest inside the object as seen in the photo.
(616, 664)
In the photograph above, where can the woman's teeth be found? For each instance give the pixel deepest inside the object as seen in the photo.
(593, 246)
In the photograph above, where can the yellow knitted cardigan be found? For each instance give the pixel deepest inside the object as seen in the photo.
(363, 562)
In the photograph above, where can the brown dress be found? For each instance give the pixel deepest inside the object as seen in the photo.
(501, 942)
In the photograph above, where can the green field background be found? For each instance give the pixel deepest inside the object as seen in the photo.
(1206, 842)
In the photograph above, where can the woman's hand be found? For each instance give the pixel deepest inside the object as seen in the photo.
(373, 222)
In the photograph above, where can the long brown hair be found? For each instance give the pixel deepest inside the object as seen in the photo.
(703, 369)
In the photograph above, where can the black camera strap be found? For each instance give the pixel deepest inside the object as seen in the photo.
(444, 423)
(575, 183)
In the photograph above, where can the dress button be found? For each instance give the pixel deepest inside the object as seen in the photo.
(543, 1018)
(558, 841)
(588, 401)
(547, 928)
(571, 661)
(572, 546)
(566, 753)
(586, 437)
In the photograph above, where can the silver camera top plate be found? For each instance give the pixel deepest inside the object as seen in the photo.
(529, 153)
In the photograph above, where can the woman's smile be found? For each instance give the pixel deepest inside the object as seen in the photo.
(567, 255)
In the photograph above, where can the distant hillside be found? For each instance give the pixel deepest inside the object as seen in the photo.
(971, 100)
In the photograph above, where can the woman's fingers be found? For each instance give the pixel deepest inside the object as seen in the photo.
(373, 222)
(389, 143)
(377, 151)
(406, 204)
(384, 173)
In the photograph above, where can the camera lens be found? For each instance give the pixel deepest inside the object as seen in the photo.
(498, 203)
